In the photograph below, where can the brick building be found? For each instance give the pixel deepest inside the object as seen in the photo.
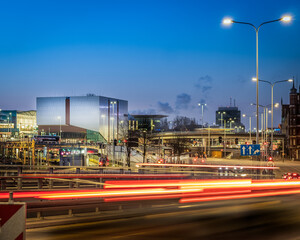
(290, 124)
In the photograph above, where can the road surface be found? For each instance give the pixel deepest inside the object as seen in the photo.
(261, 218)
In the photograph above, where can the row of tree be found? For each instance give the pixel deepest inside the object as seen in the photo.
(178, 124)
(140, 138)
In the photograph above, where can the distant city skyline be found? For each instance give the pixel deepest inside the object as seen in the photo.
(162, 56)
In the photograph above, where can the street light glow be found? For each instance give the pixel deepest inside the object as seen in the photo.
(227, 21)
(254, 79)
(286, 18)
(290, 80)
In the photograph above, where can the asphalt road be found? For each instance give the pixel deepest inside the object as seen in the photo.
(260, 218)
(284, 166)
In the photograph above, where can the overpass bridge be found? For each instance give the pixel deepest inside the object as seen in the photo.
(217, 142)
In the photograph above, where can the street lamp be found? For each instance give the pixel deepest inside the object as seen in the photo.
(113, 127)
(224, 141)
(59, 118)
(9, 120)
(250, 130)
(264, 118)
(272, 105)
(228, 21)
(202, 106)
(113, 113)
(230, 123)
(221, 120)
(8, 126)
(102, 127)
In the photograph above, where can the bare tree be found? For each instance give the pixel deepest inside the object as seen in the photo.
(145, 143)
(184, 124)
(179, 145)
(164, 125)
(124, 135)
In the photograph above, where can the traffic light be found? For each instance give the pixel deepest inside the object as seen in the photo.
(236, 141)
(220, 140)
(115, 142)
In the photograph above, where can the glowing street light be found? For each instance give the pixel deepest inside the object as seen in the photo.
(286, 18)
(59, 118)
(250, 130)
(202, 106)
(272, 104)
(228, 21)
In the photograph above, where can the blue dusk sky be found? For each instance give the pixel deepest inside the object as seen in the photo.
(162, 56)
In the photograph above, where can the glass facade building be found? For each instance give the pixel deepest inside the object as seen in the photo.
(93, 118)
(15, 123)
(229, 117)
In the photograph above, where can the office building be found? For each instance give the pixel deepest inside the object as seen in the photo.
(150, 123)
(83, 118)
(229, 117)
(17, 124)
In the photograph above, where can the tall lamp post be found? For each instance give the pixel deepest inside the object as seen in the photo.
(265, 113)
(228, 21)
(113, 127)
(250, 130)
(272, 104)
(59, 118)
(8, 126)
(202, 110)
(224, 141)
(9, 119)
(222, 116)
(230, 123)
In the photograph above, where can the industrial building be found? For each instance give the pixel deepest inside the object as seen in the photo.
(83, 118)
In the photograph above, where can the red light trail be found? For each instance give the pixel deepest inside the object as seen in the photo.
(184, 190)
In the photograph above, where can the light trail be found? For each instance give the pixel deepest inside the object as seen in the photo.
(184, 190)
(239, 196)
(70, 175)
(179, 183)
(235, 167)
(83, 194)
(182, 195)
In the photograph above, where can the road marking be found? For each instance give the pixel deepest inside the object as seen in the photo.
(186, 206)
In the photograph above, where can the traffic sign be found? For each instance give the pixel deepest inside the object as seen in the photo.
(12, 220)
(250, 150)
